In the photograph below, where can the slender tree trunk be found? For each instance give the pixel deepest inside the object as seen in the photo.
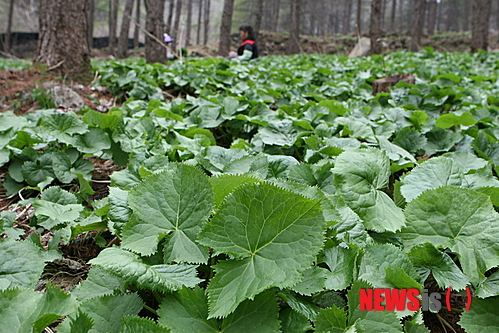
(169, 21)
(206, 20)
(189, 23)
(9, 26)
(375, 29)
(348, 17)
(155, 52)
(259, 15)
(438, 25)
(90, 20)
(178, 11)
(432, 16)
(294, 27)
(113, 21)
(480, 25)
(417, 24)
(275, 21)
(200, 21)
(125, 29)
(224, 44)
(383, 13)
(452, 15)
(137, 29)
(63, 40)
(467, 10)
(392, 17)
(359, 16)
(401, 21)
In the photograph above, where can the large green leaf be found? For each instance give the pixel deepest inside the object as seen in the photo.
(136, 324)
(273, 235)
(459, 219)
(482, 317)
(99, 282)
(62, 125)
(360, 176)
(131, 268)
(186, 311)
(92, 142)
(171, 204)
(332, 320)
(342, 263)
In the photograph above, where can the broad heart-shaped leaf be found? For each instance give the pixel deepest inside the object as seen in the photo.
(459, 219)
(40, 170)
(62, 125)
(482, 317)
(342, 264)
(106, 312)
(131, 268)
(136, 324)
(223, 185)
(489, 287)
(24, 310)
(313, 281)
(186, 311)
(332, 320)
(175, 201)
(21, 262)
(92, 142)
(359, 177)
(434, 173)
(445, 271)
(293, 322)
(273, 234)
(98, 283)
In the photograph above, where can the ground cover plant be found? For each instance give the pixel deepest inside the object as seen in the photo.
(257, 197)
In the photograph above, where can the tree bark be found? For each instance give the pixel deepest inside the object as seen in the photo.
(259, 15)
(178, 11)
(375, 29)
(452, 15)
(155, 52)
(137, 29)
(348, 17)
(294, 28)
(206, 20)
(125, 29)
(63, 40)
(200, 21)
(392, 17)
(113, 22)
(480, 25)
(90, 20)
(169, 22)
(9, 27)
(224, 44)
(432, 16)
(275, 21)
(417, 24)
(359, 16)
(189, 23)
(467, 10)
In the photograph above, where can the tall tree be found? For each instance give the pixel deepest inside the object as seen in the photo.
(169, 21)
(9, 26)
(90, 20)
(224, 44)
(348, 17)
(452, 15)
(176, 25)
(189, 23)
(206, 20)
(480, 25)
(392, 16)
(467, 10)
(155, 52)
(63, 41)
(375, 29)
(125, 29)
(418, 11)
(294, 27)
(432, 16)
(200, 21)
(113, 22)
(359, 16)
(259, 15)
(137, 28)
(275, 20)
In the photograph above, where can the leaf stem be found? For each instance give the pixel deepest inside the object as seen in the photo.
(148, 308)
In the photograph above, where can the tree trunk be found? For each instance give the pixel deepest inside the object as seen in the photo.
(259, 15)
(401, 20)
(63, 40)
(417, 24)
(178, 11)
(169, 22)
(432, 16)
(375, 29)
(125, 28)
(155, 52)
(348, 16)
(392, 18)
(113, 22)
(452, 15)
(480, 25)
(90, 20)
(467, 10)
(200, 20)
(137, 29)
(294, 28)
(206, 20)
(224, 45)
(275, 21)
(359, 17)
(9, 27)
(189, 23)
